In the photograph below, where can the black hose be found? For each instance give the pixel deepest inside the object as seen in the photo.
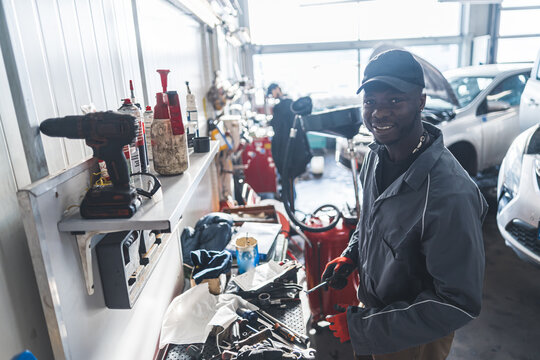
(287, 196)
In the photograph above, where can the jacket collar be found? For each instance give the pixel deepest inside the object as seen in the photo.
(418, 171)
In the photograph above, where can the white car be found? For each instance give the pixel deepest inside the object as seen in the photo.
(518, 195)
(478, 116)
(529, 109)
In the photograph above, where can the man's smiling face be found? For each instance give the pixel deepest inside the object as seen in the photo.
(391, 115)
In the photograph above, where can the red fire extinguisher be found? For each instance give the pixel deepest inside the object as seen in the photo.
(321, 249)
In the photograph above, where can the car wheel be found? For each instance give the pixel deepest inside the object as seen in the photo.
(466, 156)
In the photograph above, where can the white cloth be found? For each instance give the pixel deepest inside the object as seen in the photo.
(191, 315)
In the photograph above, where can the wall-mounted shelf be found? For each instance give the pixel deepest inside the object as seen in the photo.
(163, 216)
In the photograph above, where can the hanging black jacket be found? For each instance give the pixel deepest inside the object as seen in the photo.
(299, 150)
(419, 251)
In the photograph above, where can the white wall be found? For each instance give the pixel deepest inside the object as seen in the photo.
(22, 324)
(173, 40)
(70, 53)
(74, 53)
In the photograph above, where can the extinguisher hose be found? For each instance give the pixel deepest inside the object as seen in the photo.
(288, 196)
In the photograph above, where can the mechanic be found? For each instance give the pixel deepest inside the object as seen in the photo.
(299, 153)
(418, 244)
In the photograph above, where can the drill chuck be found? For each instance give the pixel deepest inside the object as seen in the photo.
(99, 126)
(67, 127)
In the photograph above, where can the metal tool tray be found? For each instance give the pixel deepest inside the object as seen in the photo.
(292, 316)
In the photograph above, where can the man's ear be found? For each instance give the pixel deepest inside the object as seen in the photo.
(422, 101)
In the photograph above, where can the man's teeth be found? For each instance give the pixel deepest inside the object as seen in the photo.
(382, 127)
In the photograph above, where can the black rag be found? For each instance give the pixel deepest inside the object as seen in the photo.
(210, 264)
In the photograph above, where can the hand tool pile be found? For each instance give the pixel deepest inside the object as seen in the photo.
(278, 293)
(257, 335)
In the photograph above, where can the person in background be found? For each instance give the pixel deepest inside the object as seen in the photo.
(299, 153)
(418, 245)
(274, 91)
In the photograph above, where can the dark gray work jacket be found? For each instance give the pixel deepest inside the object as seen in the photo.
(419, 251)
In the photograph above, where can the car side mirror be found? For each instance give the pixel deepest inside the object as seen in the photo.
(497, 105)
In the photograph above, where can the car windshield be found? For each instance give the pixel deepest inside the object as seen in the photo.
(468, 87)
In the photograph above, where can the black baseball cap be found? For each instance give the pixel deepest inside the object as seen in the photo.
(271, 88)
(397, 68)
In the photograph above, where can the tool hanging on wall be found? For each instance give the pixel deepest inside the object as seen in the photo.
(169, 139)
(217, 94)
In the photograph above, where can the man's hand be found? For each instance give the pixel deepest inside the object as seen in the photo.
(339, 326)
(337, 271)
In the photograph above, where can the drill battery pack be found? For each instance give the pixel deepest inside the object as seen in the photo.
(109, 202)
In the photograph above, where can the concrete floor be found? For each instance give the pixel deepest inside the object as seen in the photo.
(509, 324)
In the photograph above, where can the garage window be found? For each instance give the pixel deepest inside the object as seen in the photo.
(323, 73)
(520, 22)
(517, 49)
(315, 21)
(301, 21)
(519, 31)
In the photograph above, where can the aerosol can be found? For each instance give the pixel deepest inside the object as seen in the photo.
(138, 148)
(132, 94)
(169, 139)
(144, 131)
(148, 118)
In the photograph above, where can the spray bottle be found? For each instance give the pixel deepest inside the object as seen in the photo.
(192, 116)
(169, 139)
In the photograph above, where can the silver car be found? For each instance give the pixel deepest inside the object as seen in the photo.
(478, 116)
(518, 195)
(529, 108)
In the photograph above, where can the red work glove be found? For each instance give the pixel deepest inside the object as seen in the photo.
(337, 271)
(339, 326)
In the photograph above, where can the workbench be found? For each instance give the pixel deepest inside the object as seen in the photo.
(62, 245)
(296, 315)
(293, 317)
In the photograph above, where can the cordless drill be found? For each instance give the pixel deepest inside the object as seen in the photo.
(106, 133)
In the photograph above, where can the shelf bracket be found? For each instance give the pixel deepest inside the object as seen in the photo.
(84, 242)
